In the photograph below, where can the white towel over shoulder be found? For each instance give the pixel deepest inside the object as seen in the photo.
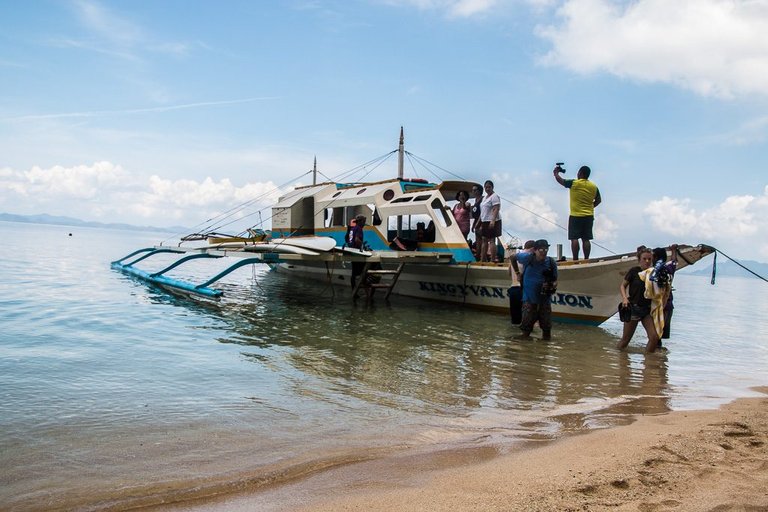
(658, 295)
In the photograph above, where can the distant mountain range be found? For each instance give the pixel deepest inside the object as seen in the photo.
(44, 218)
(728, 268)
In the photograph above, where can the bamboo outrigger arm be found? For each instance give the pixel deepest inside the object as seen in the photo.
(159, 279)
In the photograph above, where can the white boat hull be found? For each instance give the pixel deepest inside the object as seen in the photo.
(588, 292)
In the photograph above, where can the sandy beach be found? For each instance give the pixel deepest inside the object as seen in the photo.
(713, 460)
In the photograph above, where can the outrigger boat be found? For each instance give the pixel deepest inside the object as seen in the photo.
(306, 241)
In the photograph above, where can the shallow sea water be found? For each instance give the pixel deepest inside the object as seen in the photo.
(115, 394)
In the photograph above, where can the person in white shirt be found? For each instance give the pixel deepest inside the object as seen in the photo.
(490, 223)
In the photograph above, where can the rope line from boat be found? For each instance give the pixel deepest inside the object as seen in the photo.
(340, 177)
(209, 226)
(466, 274)
(377, 161)
(714, 267)
(422, 161)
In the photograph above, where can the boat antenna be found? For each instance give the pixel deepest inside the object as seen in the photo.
(314, 172)
(400, 154)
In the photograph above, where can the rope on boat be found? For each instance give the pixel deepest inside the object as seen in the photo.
(714, 267)
(209, 226)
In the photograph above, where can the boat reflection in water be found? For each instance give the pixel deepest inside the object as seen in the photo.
(449, 373)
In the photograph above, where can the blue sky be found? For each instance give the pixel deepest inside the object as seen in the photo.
(167, 113)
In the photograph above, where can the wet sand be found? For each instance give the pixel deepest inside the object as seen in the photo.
(714, 460)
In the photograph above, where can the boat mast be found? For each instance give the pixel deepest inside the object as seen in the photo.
(400, 158)
(314, 172)
(400, 155)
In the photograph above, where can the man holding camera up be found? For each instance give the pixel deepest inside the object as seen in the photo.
(539, 282)
(584, 196)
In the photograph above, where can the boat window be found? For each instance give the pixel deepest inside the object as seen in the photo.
(362, 209)
(337, 194)
(376, 218)
(389, 194)
(441, 212)
(411, 226)
(361, 191)
(402, 199)
(334, 217)
(422, 198)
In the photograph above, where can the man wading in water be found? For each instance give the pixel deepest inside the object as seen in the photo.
(539, 282)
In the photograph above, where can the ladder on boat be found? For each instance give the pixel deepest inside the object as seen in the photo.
(393, 276)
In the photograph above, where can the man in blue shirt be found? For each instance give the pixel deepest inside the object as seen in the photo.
(539, 282)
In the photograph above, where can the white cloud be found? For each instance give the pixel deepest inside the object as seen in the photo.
(712, 47)
(467, 8)
(79, 182)
(454, 8)
(738, 220)
(106, 192)
(605, 229)
(753, 131)
(108, 25)
(107, 113)
(529, 213)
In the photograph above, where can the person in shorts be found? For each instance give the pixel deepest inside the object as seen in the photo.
(490, 224)
(584, 197)
(539, 282)
(632, 290)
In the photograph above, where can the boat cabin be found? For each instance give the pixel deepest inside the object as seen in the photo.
(411, 210)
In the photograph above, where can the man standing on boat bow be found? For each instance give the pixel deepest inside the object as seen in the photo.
(585, 196)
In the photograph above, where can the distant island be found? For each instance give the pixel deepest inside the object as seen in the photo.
(55, 220)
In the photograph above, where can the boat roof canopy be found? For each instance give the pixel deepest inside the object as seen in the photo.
(345, 194)
(300, 193)
(449, 189)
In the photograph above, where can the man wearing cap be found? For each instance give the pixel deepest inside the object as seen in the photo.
(539, 282)
(584, 197)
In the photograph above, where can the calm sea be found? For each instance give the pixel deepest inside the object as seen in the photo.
(114, 394)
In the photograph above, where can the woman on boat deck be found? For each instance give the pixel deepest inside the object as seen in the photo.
(632, 291)
(461, 212)
(490, 223)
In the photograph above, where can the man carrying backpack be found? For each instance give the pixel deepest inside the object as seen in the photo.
(539, 282)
